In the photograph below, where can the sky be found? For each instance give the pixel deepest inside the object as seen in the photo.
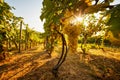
(30, 10)
(116, 2)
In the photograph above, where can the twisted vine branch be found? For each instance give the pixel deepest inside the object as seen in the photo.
(62, 57)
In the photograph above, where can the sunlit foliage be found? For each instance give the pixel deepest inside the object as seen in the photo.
(114, 20)
(114, 41)
(60, 11)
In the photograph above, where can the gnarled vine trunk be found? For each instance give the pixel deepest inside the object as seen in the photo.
(62, 57)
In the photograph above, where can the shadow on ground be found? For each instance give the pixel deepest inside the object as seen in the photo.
(39, 66)
(99, 68)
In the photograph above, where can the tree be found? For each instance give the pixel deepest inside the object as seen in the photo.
(53, 11)
(93, 26)
(13, 33)
(5, 18)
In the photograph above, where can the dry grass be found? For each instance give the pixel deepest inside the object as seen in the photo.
(36, 65)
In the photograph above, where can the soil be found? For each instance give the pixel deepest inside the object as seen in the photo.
(35, 64)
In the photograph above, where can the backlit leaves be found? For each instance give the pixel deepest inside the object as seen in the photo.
(114, 20)
(61, 12)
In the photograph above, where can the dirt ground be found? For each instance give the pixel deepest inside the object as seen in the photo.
(35, 64)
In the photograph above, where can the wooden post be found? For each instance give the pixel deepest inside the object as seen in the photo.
(20, 37)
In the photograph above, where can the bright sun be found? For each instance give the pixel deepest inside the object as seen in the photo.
(76, 20)
(79, 19)
(83, 20)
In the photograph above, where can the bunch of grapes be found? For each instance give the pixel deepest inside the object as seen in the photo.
(72, 32)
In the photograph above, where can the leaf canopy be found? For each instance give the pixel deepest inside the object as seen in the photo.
(114, 20)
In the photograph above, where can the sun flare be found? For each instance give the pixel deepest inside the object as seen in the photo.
(76, 20)
(79, 19)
